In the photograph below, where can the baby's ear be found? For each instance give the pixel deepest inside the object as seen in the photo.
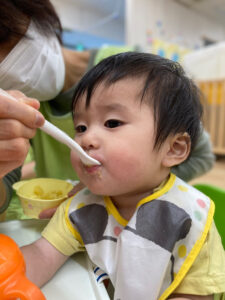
(177, 149)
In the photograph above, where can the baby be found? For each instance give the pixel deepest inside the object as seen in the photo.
(150, 232)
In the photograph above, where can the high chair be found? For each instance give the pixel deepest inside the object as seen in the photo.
(218, 196)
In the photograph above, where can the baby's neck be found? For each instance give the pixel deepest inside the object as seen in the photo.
(127, 204)
(127, 207)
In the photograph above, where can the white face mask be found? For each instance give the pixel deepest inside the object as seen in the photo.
(35, 66)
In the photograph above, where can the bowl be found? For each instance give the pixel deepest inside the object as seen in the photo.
(39, 194)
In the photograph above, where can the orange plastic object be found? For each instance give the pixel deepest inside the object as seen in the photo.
(13, 282)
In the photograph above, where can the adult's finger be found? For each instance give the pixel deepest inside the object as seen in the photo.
(6, 167)
(21, 97)
(11, 129)
(12, 154)
(14, 150)
(26, 114)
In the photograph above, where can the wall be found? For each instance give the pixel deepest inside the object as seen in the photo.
(167, 20)
(161, 19)
(92, 17)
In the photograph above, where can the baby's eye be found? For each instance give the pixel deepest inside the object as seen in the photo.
(80, 128)
(113, 123)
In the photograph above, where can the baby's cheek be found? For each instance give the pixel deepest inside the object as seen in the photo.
(124, 166)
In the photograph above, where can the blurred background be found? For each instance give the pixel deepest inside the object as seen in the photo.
(177, 26)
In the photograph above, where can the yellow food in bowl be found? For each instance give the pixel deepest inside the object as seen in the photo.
(39, 194)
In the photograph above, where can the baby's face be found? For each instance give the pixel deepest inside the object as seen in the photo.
(117, 130)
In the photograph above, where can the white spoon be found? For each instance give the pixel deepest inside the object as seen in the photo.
(62, 137)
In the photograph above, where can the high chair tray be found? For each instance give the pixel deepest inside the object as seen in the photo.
(75, 280)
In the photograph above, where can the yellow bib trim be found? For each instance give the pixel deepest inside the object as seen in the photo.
(112, 209)
(160, 192)
(74, 232)
(191, 256)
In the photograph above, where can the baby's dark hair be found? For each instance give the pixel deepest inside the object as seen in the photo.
(174, 97)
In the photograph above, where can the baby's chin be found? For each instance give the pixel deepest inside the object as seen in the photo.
(100, 191)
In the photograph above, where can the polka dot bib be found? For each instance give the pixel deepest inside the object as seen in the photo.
(147, 257)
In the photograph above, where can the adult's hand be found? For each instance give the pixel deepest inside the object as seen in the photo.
(18, 123)
(48, 213)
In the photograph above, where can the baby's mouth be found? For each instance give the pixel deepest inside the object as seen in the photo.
(90, 169)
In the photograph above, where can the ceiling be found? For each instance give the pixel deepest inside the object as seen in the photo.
(213, 9)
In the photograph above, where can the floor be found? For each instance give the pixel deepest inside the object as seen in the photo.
(216, 176)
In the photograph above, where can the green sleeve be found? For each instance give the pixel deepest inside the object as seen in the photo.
(8, 181)
(199, 162)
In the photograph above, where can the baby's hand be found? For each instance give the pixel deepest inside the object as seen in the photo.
(79, 186)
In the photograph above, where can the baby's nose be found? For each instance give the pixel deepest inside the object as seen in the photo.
(90, 140)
